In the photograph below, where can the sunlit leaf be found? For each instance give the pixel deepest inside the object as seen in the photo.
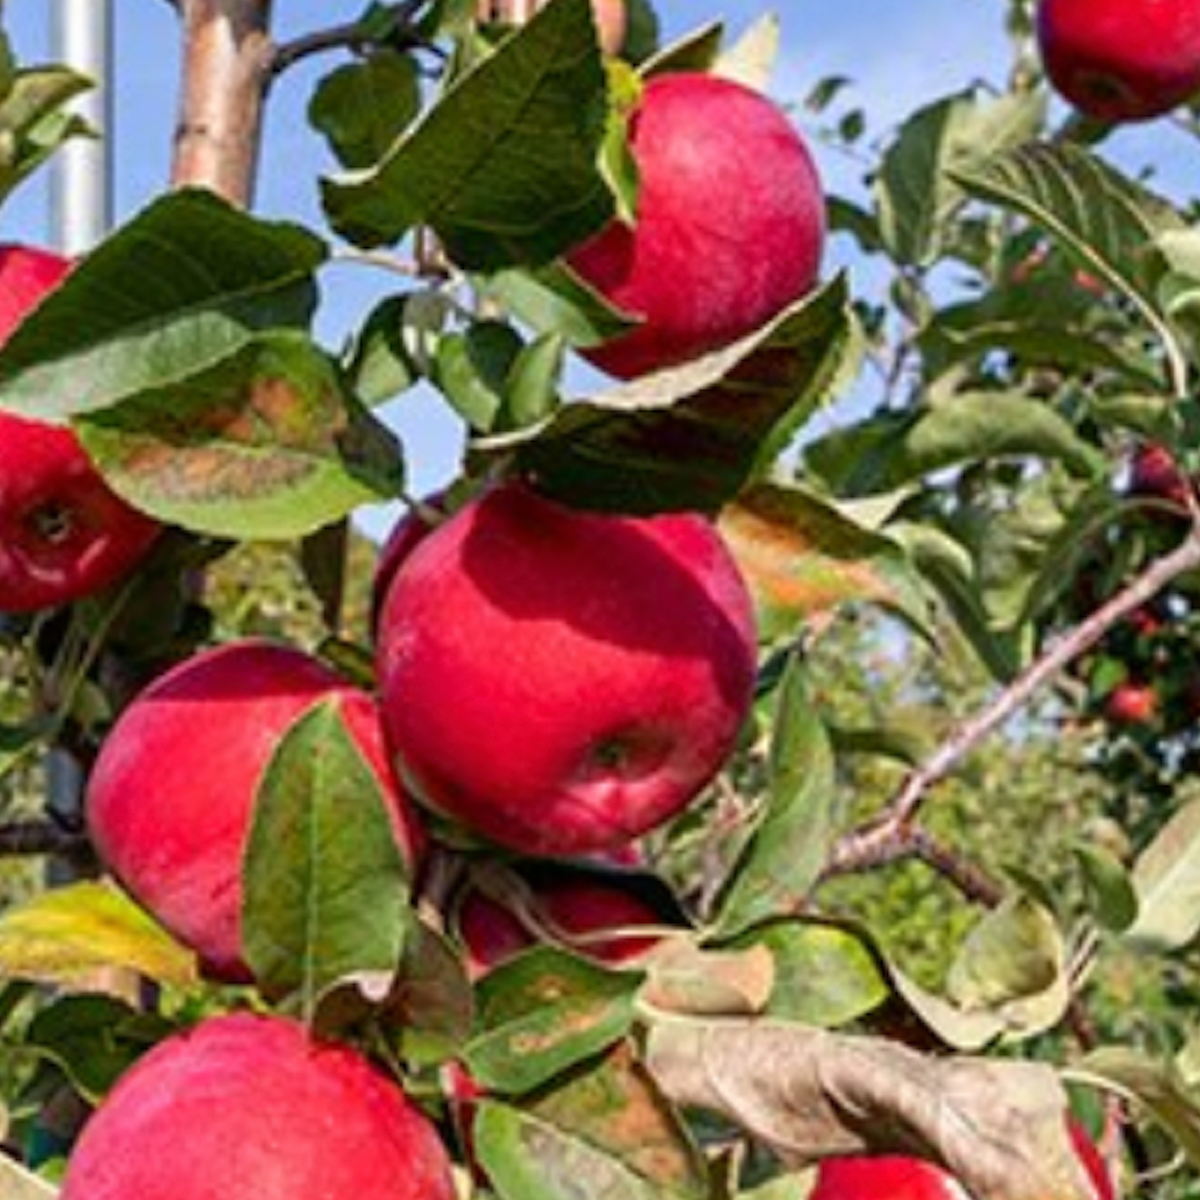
(1166, 878)
(65, 934)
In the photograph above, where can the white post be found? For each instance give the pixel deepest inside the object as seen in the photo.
(82, 179)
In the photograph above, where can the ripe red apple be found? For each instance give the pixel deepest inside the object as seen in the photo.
(170, 799)
(1155, 475)
(400, 542)
(1131, 703)
(576, 910)
(63, 533)
(1121, 60)
(895, 1177)
(562, 681)
(730, 224)
(253, 1106)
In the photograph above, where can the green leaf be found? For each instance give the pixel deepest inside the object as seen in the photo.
(504, 165)
(93, 1039)
(472, 370)
(554, 299)
(527, 1157)
(751, 60)
(1156, 1086)
(695, 51)
(1113, 899)
(688, 979)
(364, 106)
(1014, 963)
(887, 453)
(326, 887)
(802, 556)
(1106, 221)
(396, 345)
(825, 975)
(1166, 878)
(34, 121)
(784, 857)
(187, 284)
(66, 934)
(916, 192)
(266, 444)
(542, 1012)
(692, 437)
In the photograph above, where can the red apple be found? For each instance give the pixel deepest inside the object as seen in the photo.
(895, 1177)
(730, 224)
(1155, 475)
(63, 533)
(402, 539)
(575, 910)
(1121, 60)
(170, 799)
(1131, 703)
(562, 681)
(253, 1106)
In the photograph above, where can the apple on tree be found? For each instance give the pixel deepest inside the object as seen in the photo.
(255, 1106)
(896, 1177)
(64, 533)
(170, 799)
(1131, 703)
(729, 230)
(561, 681)
(1121, 60)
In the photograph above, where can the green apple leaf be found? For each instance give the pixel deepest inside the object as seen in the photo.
(688, 979)
(503, 166)
(802, 556)
(528, 1156)
(325, 883)
(1166, 878)
(34, 120)
(1113, 901)
(396, 345)
(66, 934)
(917, 191)
(825, 975)
(188, 283)
(693, 436)
(801, 816)
(364, 106)
(266, 444)
(607, 1126)
(542, 1012)
(1014, 963)
(1105, 220)
(93, 1039)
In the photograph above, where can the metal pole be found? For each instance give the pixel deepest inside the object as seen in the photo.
(82, 181)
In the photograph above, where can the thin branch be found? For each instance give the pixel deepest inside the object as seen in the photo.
(355, 36)
(889, 836)
(32, 838)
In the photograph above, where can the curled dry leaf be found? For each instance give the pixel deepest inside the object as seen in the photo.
(806, 1093)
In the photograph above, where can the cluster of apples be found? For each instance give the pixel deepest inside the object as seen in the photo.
(1121, 60)
(555, 681)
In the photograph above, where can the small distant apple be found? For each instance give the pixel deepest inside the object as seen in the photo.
(1155, 475)
(1121, 60)
(729, 231)
(170, 799)
(63, 533)
(247, 1106)
(561, 681)
(1131, 703)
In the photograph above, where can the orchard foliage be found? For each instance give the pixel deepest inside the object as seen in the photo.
(1000, 540)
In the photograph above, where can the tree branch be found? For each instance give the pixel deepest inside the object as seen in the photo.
(31, 838)
(892, 835)
(226, 56)
(353, 35)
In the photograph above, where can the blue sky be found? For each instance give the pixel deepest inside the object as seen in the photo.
(897, 55)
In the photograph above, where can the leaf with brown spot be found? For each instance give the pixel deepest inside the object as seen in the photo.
(542, 1012)
(267, 444)
(803, 557)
